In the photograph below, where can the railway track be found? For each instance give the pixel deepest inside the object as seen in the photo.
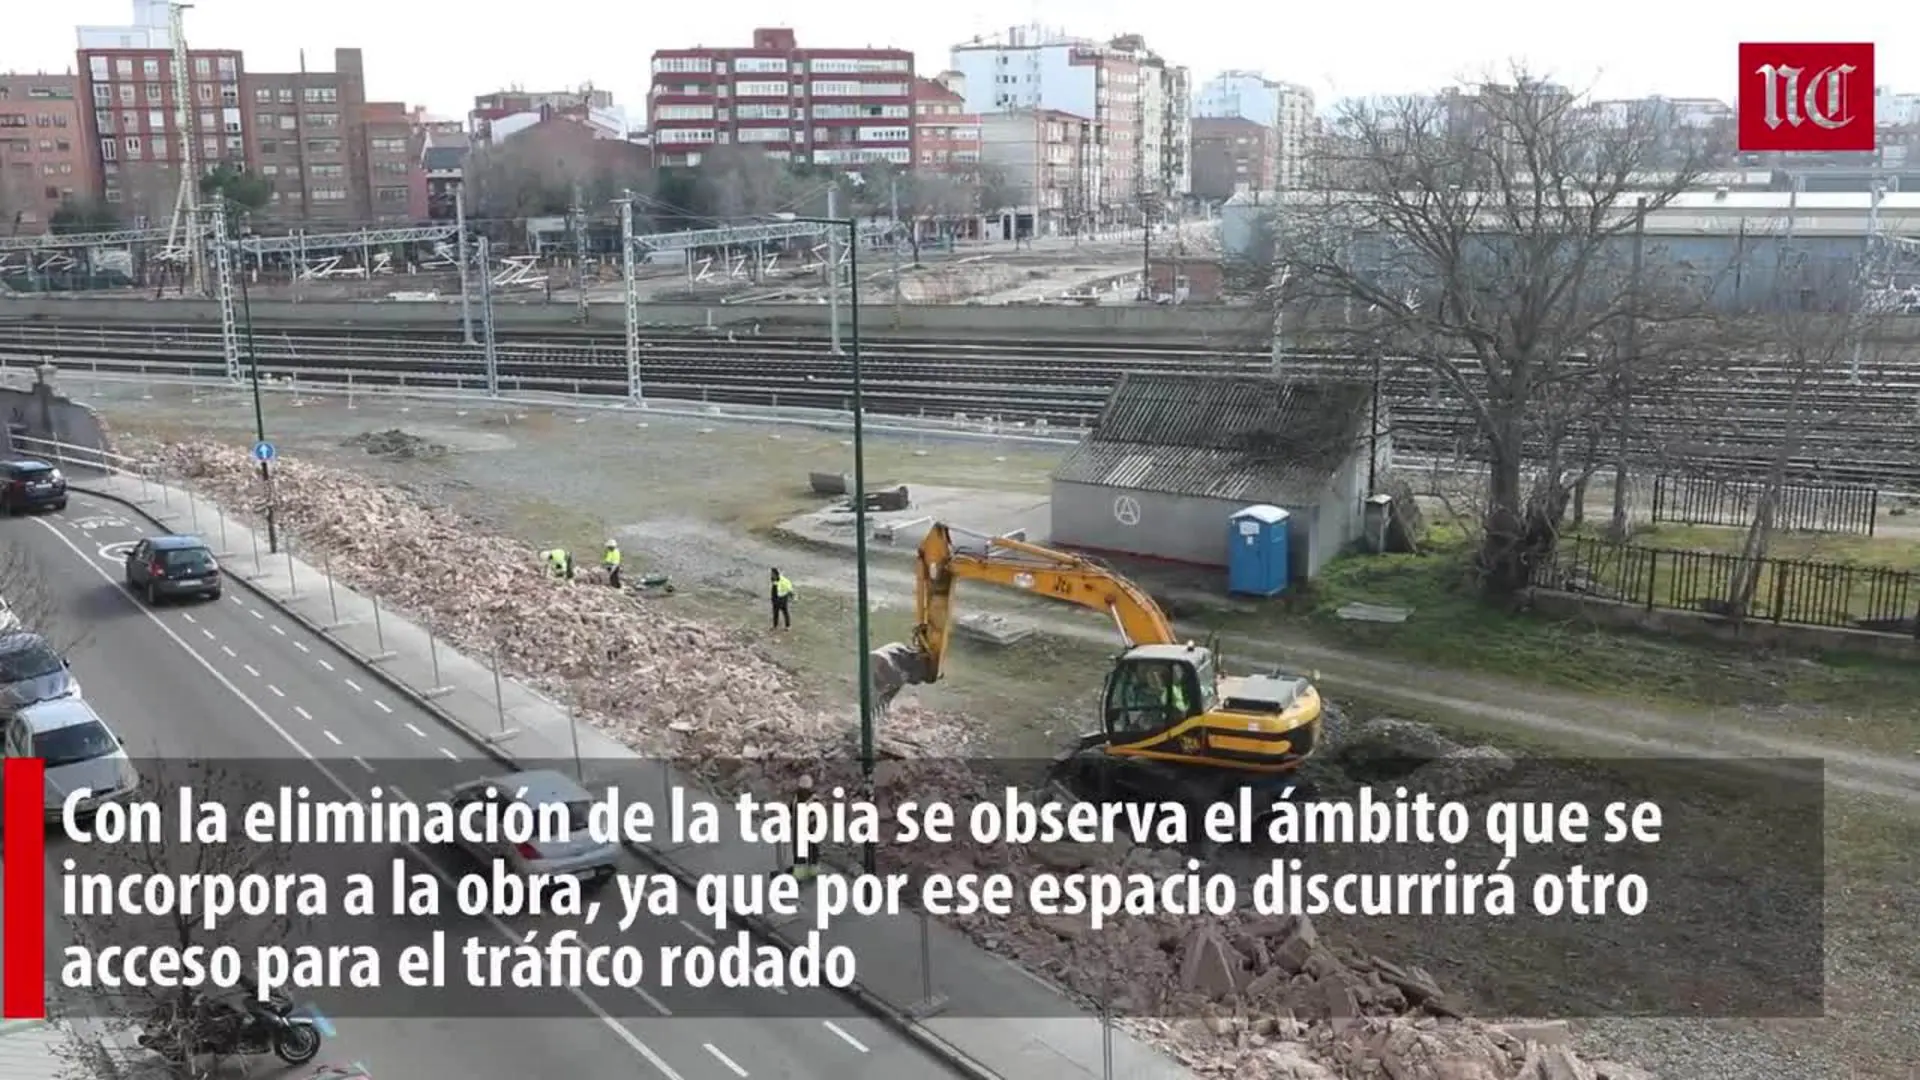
(1865, 433)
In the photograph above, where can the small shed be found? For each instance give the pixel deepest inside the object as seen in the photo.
(1175, 455)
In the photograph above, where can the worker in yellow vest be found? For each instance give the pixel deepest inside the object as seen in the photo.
(559, 563)
(611, 560)
(781, 594)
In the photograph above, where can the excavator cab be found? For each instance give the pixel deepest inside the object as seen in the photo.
(1152, 688)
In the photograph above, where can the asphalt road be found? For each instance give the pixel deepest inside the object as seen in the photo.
(232, 679)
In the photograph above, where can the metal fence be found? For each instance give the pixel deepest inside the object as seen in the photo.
(1700, 500)
(1866, 598)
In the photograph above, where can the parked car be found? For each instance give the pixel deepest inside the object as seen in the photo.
(580, 854)
(30, 671)
(169, 567)
(78, 749)
(27, 485)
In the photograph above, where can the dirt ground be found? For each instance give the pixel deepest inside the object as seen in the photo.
(696, 499)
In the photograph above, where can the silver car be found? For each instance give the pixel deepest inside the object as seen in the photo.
(78, 749)
(579, 855)
(30, 671)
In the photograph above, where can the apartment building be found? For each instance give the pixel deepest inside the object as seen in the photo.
(332, 155)
(946, 137)
(140, 133)
(44, 155)
(1164, 150)
(501, 104)
(823, 106)
(1231, 154)
(1051, 161)
(1286, 108)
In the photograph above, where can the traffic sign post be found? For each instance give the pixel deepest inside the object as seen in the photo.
(263, 452)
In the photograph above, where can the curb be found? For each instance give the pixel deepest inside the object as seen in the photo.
(866, 1000)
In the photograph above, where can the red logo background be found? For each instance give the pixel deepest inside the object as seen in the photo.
(1757, 137)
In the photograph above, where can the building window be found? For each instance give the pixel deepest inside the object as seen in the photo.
(150, 68)
(326, 172)
(97, 67)
(760, 65)
(682, 64)
(284, 95)
(63, 146)
(157, 146)
(204, 93)
(210, 145)
(127, 94)
(760, 89)
(60, 120)
(109, 149)
(113, 195)
(263, 94)
(208, 120)
(263, 121)
(124, 66)
(156, 120)
(229, 69)
(102, 94)
(102, 121)
(323, 146)
(133, 147)
(323, 119)
(49, 169)
(153, 93)
(288, 122)
(229, 95)
(129, 121)
(389, 145)
(269, 146)
(269, 170)
(391, 168)
(391, 194)
(202, 67)
(322, 95)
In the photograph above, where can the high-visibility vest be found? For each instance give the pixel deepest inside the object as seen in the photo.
(783, 588)
(611, 558)
(1177, 697)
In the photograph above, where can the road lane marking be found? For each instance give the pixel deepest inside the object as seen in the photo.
(451, 756)
(301, 645)
(586, 1001)
(323, 663)
(411, 726)
(255, 612)
(355, 685)
(277, 630)
(228, 649)
(188, 617)
(653, 1001)
(277, 692)
(335, 739)
(237, 600)
(848, 1039)
(251, 670)
(304, 714)
(207, 632)
(384, 707)
(724, 1059)
(697, 932)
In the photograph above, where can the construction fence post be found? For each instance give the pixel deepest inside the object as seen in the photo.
(333, 596)
(433, 657)
(381, 652)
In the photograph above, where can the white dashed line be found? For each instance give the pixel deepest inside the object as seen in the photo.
(724, 1059)
(362, 762)
(384, 707)
(255, 612)
(653, 1001)
(848, 1039)
(228, 649)
(277, 692)
(188, 617)
(277, 630)
(331, 737)
(355, 685)
(697, 932)
(451, 756)
(207, 632)
(322, 662)
(301, 645)
(304, 714)
(237, 600)
(415, 729)
(251, 670)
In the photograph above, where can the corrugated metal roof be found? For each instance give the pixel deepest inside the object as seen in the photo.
(31, 1050)
(1249, 438)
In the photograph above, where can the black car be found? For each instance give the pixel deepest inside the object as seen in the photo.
(31, 485)
(168, 567)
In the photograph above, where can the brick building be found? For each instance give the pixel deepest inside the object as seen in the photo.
(946, 137)
(331, 154)
(44, 156)
(1232, 154)
(1052, 166)
(134, 131)
(825, 106)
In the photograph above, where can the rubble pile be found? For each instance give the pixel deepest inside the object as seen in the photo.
(394, 443)
(1260, 996)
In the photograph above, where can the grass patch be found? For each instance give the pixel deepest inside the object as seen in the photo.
(1884, 552)
(1452, 627)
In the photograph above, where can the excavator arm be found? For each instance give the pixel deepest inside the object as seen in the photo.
(1015, 564)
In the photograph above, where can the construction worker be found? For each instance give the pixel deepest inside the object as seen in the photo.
(611, 560)
(559, 563)
(805, 866)
(781, 593)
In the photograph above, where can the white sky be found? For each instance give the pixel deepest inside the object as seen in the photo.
(442, 54)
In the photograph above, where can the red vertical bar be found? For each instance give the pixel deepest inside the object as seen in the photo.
(23, 995)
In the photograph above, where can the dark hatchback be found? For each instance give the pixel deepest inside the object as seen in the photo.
(31, 485)
(169, 567)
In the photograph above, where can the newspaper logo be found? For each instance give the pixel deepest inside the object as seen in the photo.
(1806, 97)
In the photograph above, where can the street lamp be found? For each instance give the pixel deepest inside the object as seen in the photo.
(863, 632)
(239, 270)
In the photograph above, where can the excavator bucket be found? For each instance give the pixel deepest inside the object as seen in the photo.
(895, 666)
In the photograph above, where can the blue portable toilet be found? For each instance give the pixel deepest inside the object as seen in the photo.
(1257, 551)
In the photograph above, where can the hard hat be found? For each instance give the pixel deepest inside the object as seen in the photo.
(613, 543)
(805, 783)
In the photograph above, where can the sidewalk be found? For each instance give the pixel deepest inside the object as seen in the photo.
(1046, 1041)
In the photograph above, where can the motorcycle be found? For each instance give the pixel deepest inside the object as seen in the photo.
(237, 1026)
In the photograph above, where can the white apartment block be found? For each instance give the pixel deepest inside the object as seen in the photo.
(1288, 109)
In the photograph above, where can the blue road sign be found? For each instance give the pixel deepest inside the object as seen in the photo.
(263, 451)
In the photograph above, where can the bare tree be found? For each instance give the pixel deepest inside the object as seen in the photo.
(742, 182)
(512, 180)
(179, 1032)
(934, 200)
(30, 599)
(18, 186)
(1486, 238)
(994, 189)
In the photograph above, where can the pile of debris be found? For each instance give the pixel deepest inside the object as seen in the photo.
(394, 443)
(1270, 997)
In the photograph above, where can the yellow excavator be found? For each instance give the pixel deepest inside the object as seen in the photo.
(1172, 726)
